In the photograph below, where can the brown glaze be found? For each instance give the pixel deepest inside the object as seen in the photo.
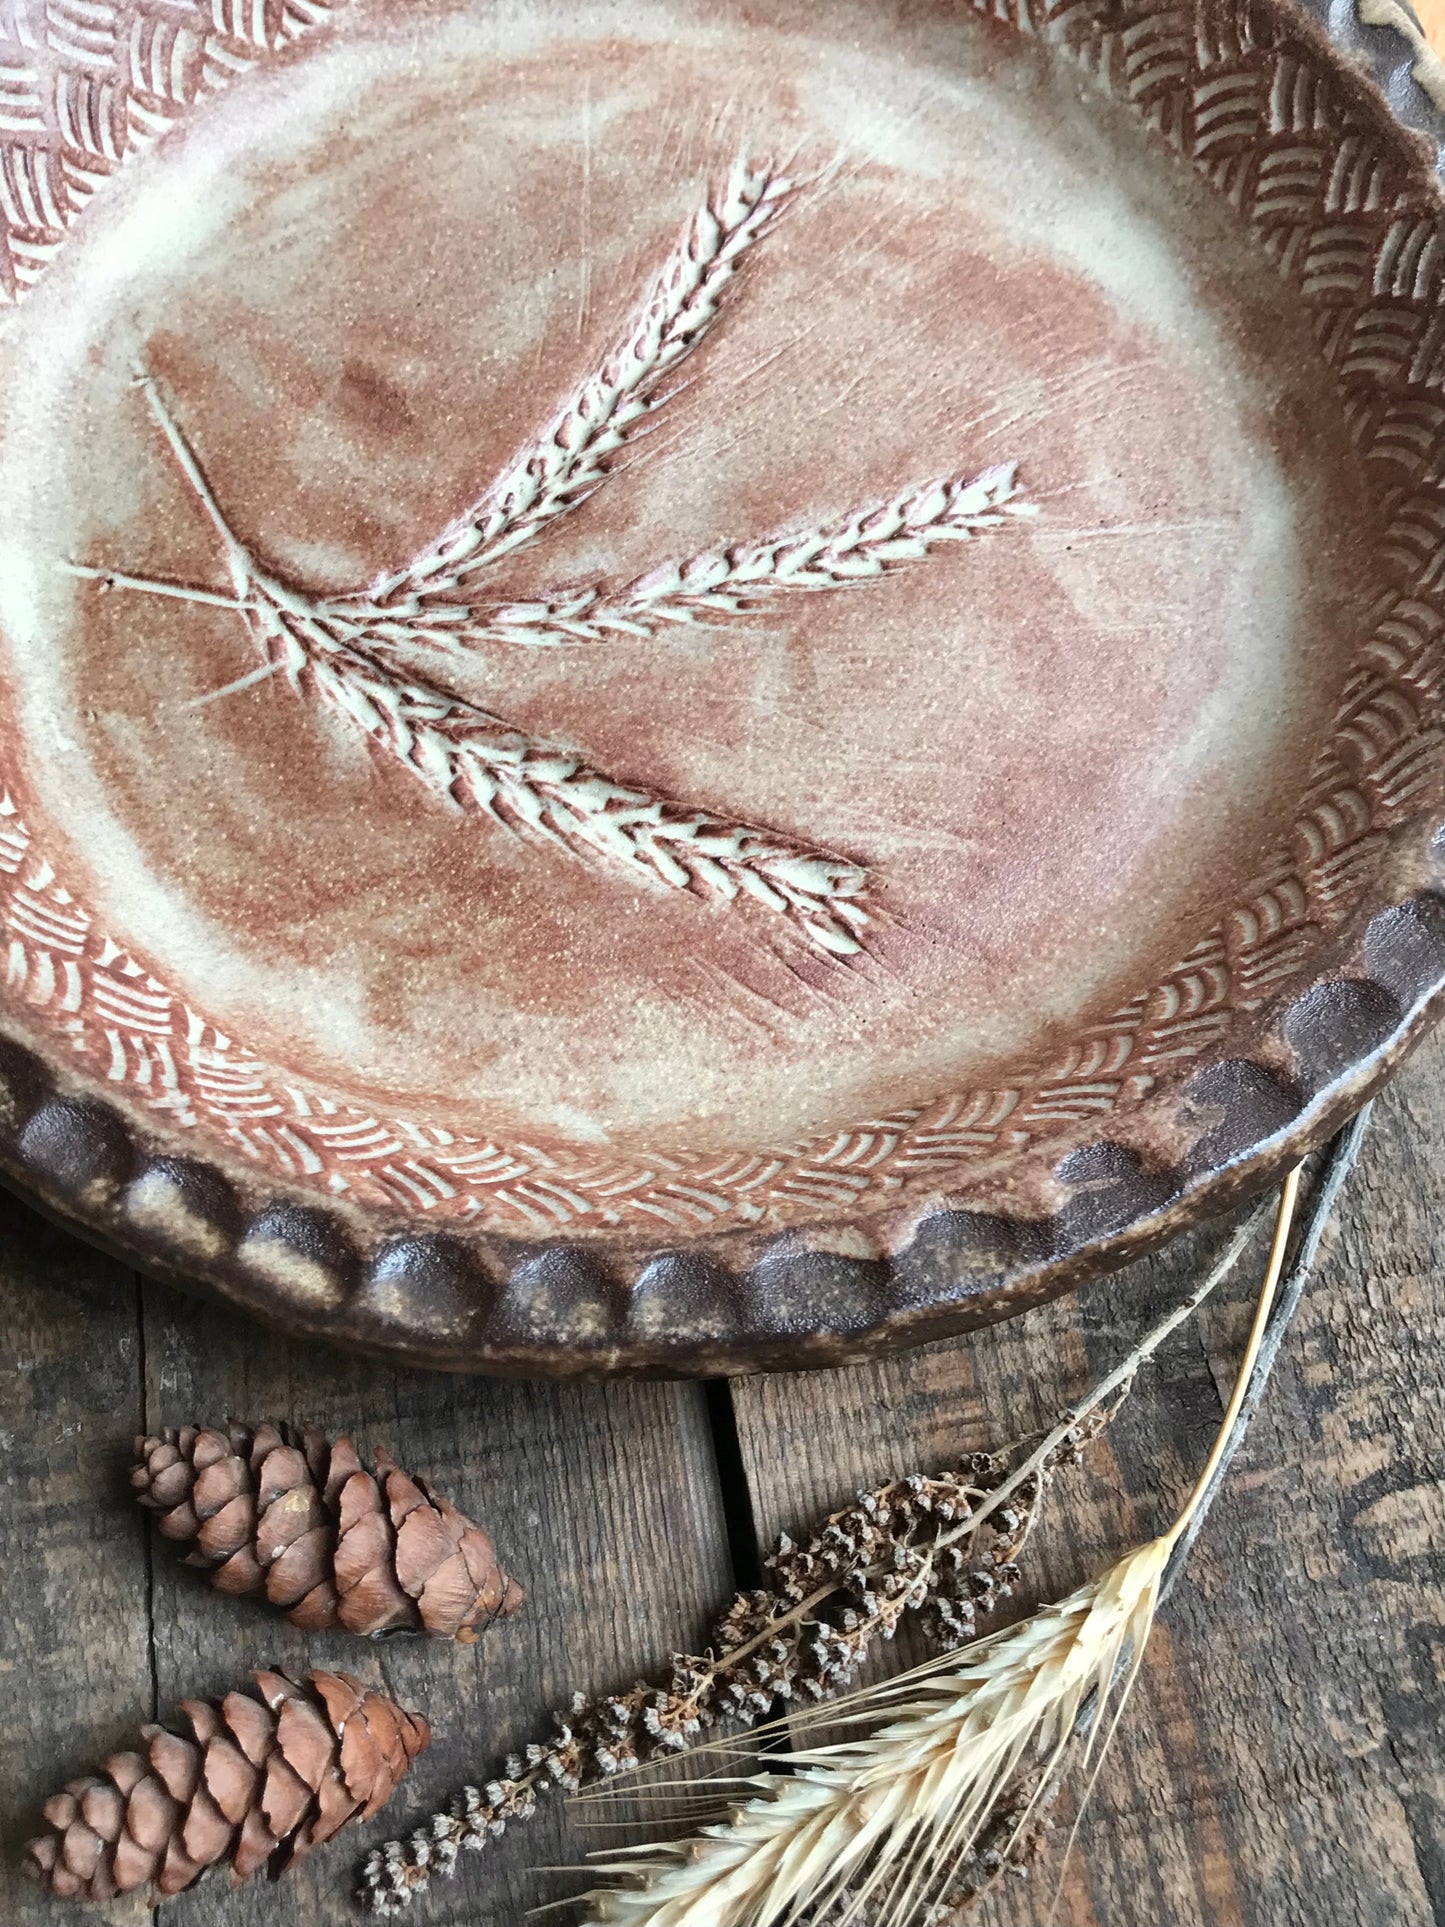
(1067, 753)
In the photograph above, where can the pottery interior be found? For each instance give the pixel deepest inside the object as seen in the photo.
(364, 279)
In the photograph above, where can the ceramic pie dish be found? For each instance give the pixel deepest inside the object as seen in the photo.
(694, 685)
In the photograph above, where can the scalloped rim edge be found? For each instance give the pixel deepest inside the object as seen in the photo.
(811, 1296)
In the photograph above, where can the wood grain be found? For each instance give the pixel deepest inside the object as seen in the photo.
(603, 1500)
(75, 1650)
(1280, 1765)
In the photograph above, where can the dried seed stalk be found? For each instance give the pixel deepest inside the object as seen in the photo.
(872, 1826)
(918, 1546)
(943, 1548)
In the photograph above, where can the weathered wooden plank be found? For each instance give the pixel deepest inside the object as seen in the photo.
(1280, 1765)
(74, 1655)
(603, 1500)
(1277, 1767)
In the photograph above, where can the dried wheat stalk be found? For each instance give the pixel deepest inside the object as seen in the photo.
(942, 1550)
(342, 651)
(872, 1827)
(871, 1822)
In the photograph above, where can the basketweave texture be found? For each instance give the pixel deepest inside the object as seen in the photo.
(1348, 213)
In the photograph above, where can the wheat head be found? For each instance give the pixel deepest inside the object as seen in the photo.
(476, 759)
(871, 1827)
(861, 546)
(569, 458)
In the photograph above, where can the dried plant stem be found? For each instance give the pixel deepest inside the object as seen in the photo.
(874, 1826)
(944, 1547)
(1123, 1373)
(1342, 1158)
(865, 1569)
(999, 1856)
(1279, 1247)
(801, 1640)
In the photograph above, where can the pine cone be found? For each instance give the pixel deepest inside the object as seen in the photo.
(304, 1522)
(261, 1780)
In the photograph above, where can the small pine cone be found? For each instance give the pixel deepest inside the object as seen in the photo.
(302, 1521)
(262, 1778)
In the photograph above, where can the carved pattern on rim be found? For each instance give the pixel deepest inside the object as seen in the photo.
(1242, 96)
(85, 84)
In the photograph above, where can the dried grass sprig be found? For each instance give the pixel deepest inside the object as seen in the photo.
(943, 1550)
(871, 1826)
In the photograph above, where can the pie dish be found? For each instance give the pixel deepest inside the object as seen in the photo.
(686, 685)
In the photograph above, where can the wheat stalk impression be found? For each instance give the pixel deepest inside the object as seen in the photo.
(874, 1828)
(354, 653)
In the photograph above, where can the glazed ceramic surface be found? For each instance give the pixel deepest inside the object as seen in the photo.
(686, 684)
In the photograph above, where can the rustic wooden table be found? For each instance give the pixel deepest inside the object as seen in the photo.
(1281, 1763)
